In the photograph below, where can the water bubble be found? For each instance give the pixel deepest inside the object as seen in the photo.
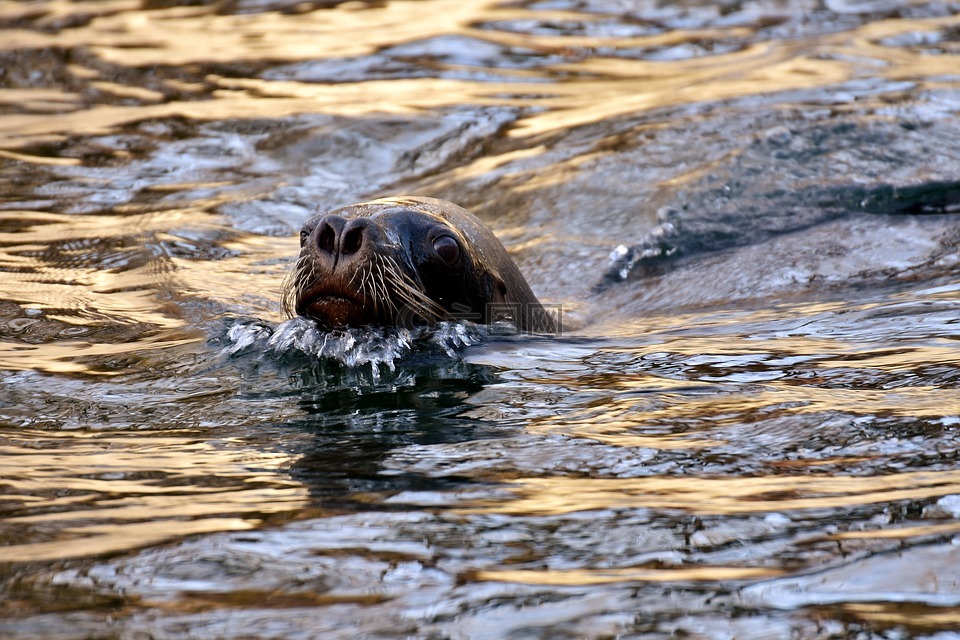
(778, 136)
(20, 324)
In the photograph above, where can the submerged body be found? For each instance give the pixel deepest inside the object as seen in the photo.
(405, 262)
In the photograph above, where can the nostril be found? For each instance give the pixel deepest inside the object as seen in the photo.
(338, 236)
(327, 237)
(353, 236)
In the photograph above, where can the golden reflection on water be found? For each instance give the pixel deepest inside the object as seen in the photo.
(62, 356)
(569, 104)
(98, 539)
(77, 279)
(622, 422)
(94, 271)
(40, 228)
(900, 533)
(97, 493)
(637, 406)
(575, 91)
(608, 576)
(717, 496)
(904, 615)
(797, 372)
(254, 274)
(636, 89)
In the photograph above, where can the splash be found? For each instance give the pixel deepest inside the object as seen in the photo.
(659, 242)
(353, 348)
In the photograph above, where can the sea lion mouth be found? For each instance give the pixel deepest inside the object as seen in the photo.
(333, 307)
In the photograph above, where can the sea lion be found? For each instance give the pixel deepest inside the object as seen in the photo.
(405, 262)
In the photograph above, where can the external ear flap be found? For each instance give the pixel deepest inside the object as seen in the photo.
(499, 290)
(500, 308)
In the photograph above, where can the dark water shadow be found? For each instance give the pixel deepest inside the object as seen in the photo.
(353, 430)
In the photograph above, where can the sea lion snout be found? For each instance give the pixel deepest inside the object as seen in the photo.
(337, 252)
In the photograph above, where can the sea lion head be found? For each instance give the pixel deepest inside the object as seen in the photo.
(406, 262)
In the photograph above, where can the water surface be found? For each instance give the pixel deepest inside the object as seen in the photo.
(749, 212)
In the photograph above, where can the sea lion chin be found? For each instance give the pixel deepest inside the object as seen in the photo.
(405, 262)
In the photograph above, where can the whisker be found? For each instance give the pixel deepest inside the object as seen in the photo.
(407, 290)
(290, 286)
(392, 290)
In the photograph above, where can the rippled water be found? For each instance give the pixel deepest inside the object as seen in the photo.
(748, 210)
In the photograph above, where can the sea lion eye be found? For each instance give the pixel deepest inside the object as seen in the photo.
(447, 248)
(307, 230)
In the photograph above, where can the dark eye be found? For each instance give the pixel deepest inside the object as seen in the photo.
(308, 228)
(306, 231)
(447, 248)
